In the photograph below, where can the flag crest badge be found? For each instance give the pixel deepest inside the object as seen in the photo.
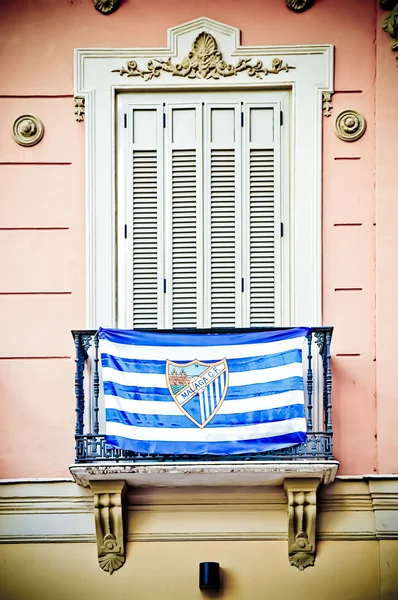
(198, 388)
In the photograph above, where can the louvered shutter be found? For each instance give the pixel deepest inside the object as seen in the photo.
(205, 211)
(222, 197)
(146, 192)
(260, 214)
(183, 251)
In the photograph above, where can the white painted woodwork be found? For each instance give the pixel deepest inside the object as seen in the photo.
(219, 254)
(95, 81)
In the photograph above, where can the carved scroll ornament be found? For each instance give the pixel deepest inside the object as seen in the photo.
(204, 61)
(299, 5)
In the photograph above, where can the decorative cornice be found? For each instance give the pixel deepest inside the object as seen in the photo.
(204, 61)
(299, 5)
(106, 7)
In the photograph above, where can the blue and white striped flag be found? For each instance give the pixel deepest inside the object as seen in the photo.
(215, 394)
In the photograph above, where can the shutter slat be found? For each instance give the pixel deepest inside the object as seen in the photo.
(262, 237)
(144, 238)
(222, 237)
(184, 243)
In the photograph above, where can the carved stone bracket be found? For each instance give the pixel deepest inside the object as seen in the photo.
(327, 103)
(390, 23)
(204, 61)
(299, 5)
(301, 498)
(80, 108)
(106, 7)
(108, 507)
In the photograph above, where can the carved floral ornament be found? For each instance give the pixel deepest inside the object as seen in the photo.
(204, 61)
(299, 5)
(106, 6)
(390, 23)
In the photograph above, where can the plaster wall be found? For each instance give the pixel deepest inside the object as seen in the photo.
(170, 571)
(42, 208)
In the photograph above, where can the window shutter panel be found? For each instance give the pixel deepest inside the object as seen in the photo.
(183, 257)
(222, 221)
(146, 169)
(260, 213)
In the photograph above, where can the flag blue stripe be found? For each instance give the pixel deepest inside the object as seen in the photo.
(208, 448)
(146, 338)
(235, 365)
(292, 411)
(233, 393)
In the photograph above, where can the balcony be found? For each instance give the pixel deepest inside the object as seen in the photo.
(97, 460)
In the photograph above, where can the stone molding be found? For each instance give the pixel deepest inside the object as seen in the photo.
(365, 509)
(199, 473)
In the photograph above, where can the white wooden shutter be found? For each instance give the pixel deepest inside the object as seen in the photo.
(205, 211)
(222, 160)
(145, 215)
(183, 252)
(261, 214)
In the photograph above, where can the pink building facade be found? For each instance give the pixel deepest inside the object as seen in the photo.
(48, 256)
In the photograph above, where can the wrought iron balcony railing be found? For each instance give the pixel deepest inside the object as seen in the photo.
(90, 438)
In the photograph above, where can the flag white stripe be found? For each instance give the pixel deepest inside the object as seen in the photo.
(207, 407)
(186, 353)
(228, 407)
(245, 432)
(212, 399)
(150, 380)
(202, 409)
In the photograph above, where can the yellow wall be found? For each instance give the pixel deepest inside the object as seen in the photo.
(169, 571)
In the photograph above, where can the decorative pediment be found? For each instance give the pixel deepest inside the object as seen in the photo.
(204, 61)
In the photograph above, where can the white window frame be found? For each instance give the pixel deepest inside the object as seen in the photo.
(278, 101)
(98, 83)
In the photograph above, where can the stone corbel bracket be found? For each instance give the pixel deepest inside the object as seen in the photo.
(108, 510)
(301, 498)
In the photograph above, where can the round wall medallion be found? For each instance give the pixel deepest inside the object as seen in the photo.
(350, 125)
(27, 130)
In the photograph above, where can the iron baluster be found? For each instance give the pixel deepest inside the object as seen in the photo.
(309, 383)
(96, 386)
(79, 384)
(328, 383)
